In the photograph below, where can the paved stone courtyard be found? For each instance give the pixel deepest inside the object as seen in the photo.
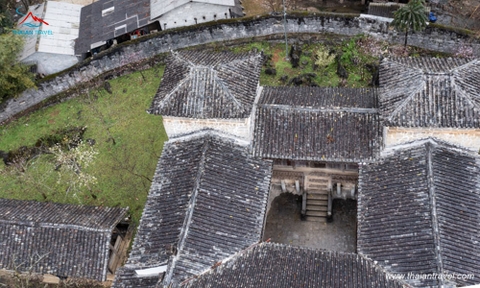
(285, 226)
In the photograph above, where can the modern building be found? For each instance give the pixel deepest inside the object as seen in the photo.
(106, 22)
(49, 31)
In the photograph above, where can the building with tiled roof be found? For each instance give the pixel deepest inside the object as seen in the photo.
(317, 124)
(423, 97)
(205, 89)
(58, 239)
(104, 21)
(282, 266)
(316, 137)
(179, 13)
(419, 213)
(417, 203)
(383, 9)
(207, 202)
(48, 38)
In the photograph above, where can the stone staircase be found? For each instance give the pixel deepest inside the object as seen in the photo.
(317, 187)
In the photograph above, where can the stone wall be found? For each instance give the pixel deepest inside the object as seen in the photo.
(469, 138)
(175, 126)
(144, 48)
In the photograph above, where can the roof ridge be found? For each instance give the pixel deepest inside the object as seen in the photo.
(212, 69)
(410, 97)
(281, 246)
(188, 220)
(232, 257)
(433, 211)
(459, 90)
(56, 225)
(469, 63)
(381, 268)
(225, 88)
(171, 94)
(321, 108)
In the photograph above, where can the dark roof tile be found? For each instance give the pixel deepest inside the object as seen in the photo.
(281, 266)
(419, 210)
(318, 124)
(200, 84)
(207, 202)
(95, 28)
(430, 92)
(67, 240)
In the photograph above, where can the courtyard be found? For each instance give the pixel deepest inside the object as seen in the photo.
(284, 225)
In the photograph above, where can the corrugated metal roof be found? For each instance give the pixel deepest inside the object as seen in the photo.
(160, 7)
(64, 22)
(30, 41)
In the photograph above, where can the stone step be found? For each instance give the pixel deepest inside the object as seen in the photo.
(316, 208)
(316, 219)
(316, 196)
(318, 191)
(318, 180)
(316, 213)
(323, 202)
(316, 187)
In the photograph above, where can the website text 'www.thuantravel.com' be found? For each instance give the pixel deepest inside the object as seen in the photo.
(431, 276)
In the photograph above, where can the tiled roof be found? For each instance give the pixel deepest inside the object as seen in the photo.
(201, 84)
(67, 240)
(126, 17)
(207, 202)
(430, 92)
(419, 212)
(383, 9)
(281, 266)
(320, 124)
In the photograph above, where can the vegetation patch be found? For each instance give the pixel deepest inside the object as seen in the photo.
(66, 139)
(100, 148)
(324, 64)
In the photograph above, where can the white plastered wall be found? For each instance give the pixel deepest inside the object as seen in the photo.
(469, 138)
(175, 126)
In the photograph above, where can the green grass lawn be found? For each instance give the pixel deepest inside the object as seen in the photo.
(123, 169)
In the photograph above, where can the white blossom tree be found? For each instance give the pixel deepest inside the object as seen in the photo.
(71, 166)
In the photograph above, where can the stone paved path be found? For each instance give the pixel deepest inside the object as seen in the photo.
(285, 226)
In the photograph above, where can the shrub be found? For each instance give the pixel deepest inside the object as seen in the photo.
(323, 57)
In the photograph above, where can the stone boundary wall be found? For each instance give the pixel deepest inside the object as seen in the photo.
(143, 49)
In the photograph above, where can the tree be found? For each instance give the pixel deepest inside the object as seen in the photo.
(14, 77)
(70, 163)
(410, 17)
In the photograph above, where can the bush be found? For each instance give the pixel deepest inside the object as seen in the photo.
(323, 57)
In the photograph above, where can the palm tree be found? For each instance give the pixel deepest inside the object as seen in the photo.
(410, 17)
